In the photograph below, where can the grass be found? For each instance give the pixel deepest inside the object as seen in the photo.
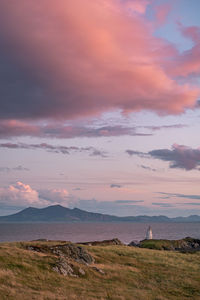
(165, 244)
(130, 273)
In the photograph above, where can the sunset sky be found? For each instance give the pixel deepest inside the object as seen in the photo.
(100, 105)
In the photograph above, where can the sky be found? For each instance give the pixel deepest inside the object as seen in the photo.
(100, 106)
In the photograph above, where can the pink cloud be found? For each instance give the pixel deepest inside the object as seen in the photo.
(188, 63)
(56, 196)
(9, 128)
(19, 194)
(24, 195)
(74, 58)
(191, 32)
(162, 12)
(138, 6)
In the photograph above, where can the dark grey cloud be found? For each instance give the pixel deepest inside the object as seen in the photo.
(114, 185)
(96, 152)
(180, 156)
(55, 149)
(147, 168)
(138, 153)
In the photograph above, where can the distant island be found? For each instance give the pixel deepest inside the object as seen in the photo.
(58, 213)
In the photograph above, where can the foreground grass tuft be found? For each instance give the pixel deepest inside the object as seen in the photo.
(130, 273)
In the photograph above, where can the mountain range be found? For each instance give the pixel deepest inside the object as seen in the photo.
(58, 213)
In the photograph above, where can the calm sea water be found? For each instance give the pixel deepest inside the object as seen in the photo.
(83, 232)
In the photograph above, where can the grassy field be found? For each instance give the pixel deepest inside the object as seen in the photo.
(130, 273)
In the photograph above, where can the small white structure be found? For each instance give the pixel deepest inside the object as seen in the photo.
(149, 234)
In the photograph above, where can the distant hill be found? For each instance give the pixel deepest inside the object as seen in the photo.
(58, 213)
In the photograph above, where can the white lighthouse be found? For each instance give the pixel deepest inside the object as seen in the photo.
(149, 235)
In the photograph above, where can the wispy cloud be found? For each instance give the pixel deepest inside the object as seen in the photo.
(163, 204)
(128, 201)
(147, 168)
(55, 149)
(191, 203)
(14, 128)
(18, 168)
(176, 195)
(164, 127)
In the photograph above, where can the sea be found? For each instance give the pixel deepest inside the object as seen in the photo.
(85, 232)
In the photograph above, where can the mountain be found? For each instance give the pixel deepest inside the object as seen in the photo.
(58, 213)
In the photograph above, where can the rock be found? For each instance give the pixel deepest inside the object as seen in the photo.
(98, 270)
(104, 243)
(62, 267)
(81, 271)
(32, 248)
(66, 268)
(195, 245)
(134, 244)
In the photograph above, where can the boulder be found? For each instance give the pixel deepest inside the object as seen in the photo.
(63, 267)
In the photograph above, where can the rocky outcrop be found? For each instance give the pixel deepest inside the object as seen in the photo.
(104, 243)
(134, 244)
(69, 250)
(187, 244)
(67, 256)
(72, 251)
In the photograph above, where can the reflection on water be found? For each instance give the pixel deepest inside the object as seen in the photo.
(82, 232)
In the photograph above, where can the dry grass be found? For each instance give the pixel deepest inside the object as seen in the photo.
(130, 273)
